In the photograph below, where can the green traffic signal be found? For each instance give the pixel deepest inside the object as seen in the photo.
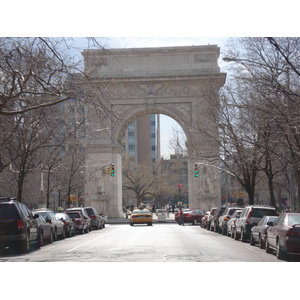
(196, 172)
(112, 170)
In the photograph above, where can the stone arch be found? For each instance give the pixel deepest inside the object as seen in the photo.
(140, 81)
(131, 115)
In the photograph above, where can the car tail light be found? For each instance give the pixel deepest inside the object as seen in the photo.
(248, 217)
(20, 224)
(93, 217)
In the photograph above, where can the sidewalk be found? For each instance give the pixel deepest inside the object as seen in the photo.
(170, 219)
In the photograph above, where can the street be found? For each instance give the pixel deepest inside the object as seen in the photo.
(158, 243)
(143, 250)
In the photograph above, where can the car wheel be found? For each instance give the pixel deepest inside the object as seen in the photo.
(208, 226)
(195, 222)
(261, 244)
(82, 230)
(224, 231)
(40, 242)
(149, 224)
(243, 236)
(236, 235)
(55, 235)
(25, 245)
(131, 224)
(280, 254)
(51, 238)
(267, 247)
(87, 230)
(252, 242)
(63, 234)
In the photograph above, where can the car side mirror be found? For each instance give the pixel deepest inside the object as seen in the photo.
(270, 223)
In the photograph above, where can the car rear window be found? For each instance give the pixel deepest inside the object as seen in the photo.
(261, 212)
(8, 212)
(293, 219)
(90, 211)
(144, 211)
(74, 215)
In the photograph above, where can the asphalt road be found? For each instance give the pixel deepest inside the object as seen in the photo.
(140, 243)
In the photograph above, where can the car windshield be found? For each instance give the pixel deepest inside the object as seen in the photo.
(8, 211)
(293, 219)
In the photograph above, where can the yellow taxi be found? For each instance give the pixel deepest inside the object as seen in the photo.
(141, 216)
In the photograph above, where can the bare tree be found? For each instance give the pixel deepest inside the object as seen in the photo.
(268, 69)
(34, 73)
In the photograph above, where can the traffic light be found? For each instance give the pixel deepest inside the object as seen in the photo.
(196, 171)
(108, 170)
(112, 170)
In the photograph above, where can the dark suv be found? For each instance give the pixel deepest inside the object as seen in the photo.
(250, 217)
(18, 225)
(97, 220)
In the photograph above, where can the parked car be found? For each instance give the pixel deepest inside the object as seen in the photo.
(204, 220)
(193, 216)
(214, 222)
(81, 222)
(225, 217)
(283, 235)
(70, 229)
(211, 215)
(97, 220)
(141, 216)
(45, 232)
(258, 232)
(250, 216)
(84, 214)
(232, 221)
(18, 225)
(57, 226)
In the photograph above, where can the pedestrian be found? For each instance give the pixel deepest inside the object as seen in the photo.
(173, 208)
(181, 220)
(153, 208)
(125, 212)
(132, 207)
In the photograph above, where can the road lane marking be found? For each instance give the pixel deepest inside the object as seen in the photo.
(89, 241)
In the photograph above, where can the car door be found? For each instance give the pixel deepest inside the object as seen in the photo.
(32, 223)
(273, 230)
(239, 221)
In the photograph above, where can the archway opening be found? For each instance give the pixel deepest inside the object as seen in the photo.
(155, 164)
